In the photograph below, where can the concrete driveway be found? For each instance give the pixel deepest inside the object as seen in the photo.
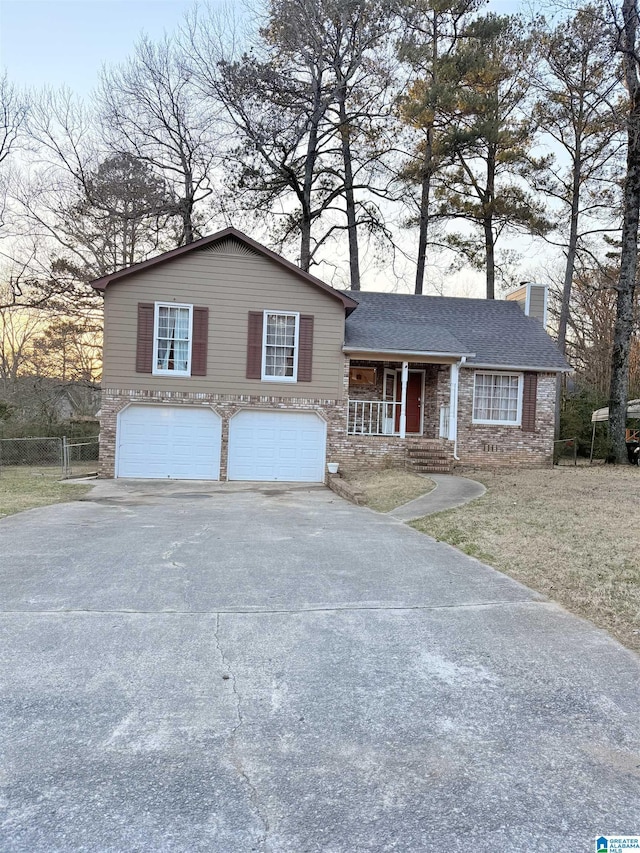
(204, 667)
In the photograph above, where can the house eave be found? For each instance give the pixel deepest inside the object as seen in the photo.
(520, 367)
(407, 355)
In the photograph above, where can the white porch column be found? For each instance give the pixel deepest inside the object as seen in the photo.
(403, 399)
(453, 402)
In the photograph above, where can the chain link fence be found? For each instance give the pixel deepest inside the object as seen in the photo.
(565, 451)
(48, 456)
(80, 458)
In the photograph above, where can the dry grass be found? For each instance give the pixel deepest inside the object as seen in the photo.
(385, 490)
(570, 533)
(27, 489)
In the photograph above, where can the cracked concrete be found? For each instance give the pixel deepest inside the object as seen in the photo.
(298, 675)
(234, 751)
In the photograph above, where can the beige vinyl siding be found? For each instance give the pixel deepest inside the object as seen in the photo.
(230, 284)
(519, 296)
(536, 302)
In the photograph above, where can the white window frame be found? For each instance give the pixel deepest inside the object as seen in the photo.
(520, 378)
(265, 319)
(156, 371)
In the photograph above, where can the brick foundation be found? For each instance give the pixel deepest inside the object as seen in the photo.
(479, 446)
(116, 399)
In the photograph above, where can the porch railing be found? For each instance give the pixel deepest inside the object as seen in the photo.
(444, 421)
(372, 417)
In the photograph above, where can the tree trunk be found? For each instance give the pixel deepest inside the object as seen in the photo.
(628, 258)
(491, 260)
(571, 250)
(427, 175)
(309, 173)
(349, 195)
(186, 206)
(487, 209)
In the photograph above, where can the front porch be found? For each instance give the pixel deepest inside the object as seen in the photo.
(399, 413)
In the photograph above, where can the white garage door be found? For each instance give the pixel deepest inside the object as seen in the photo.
(287, 446)
(179, 442)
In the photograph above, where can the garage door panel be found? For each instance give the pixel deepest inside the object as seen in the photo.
(159, 442)
(283, 446)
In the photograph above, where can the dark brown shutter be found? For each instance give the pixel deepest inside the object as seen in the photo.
(305, 348)
(254, 345)
(144, 348)
(200, 338)
(529, 394)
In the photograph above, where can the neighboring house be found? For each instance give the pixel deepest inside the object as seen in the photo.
(47, 400)
(222, 360)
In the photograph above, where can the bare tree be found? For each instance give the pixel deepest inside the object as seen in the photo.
(352, 35)
(305, 104)
(274, 99)
(19, 328)
(150, 109)
(83, 212)
(13, 113)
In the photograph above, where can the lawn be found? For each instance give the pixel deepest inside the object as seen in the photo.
(22, 489)
(570, 533)
(385, 490)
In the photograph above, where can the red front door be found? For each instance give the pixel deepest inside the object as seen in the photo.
(414, 401)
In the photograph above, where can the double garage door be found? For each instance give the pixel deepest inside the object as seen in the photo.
(184, 443)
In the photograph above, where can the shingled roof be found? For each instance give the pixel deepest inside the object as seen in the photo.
(489, 332)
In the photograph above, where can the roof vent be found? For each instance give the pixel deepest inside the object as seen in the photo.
(532, 298)
(229, 246)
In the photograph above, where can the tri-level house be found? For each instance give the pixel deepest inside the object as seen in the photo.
(223, 360)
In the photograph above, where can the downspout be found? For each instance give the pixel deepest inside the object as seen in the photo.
(453, 406)
(403, 399)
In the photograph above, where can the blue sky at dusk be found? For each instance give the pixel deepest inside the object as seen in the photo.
(56, 42)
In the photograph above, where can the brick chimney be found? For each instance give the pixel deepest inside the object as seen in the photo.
(532, 298)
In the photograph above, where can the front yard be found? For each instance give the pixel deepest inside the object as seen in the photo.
(385, 490)
(22, 489)
(570, 533)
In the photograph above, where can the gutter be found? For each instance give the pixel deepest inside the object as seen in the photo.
(420, 353)
(513, 367)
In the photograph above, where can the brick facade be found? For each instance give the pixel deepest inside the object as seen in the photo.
(484, 446)
(479, 446)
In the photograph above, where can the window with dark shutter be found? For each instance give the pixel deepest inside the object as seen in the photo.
(144, 348)
(305, 348)
(254, 345)
(529, 395)
(200, 340)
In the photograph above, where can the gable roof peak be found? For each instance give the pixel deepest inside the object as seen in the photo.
(229, 232)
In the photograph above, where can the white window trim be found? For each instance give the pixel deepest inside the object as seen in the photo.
(156, 371)
(265, 377)
(520, 377)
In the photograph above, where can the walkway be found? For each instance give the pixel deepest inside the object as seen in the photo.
(448, 493)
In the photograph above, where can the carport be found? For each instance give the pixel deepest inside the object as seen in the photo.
(602, 416)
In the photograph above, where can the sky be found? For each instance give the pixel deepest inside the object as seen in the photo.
(56, 42)
(66, 42)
